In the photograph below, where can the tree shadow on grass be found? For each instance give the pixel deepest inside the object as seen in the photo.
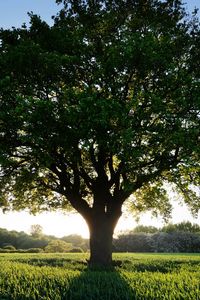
(99, 284)
(69, 280)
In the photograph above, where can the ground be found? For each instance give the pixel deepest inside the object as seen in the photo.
(66, 276)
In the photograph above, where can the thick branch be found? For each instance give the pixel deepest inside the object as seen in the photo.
(87, 179)
(93, 158)
(115, 176)
(76, 183)
(79, 204)
(65, 183)
(110, 166)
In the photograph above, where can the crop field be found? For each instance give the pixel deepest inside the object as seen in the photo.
(66, 276)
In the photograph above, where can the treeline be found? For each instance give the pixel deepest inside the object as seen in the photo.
(182, 237)
(14, 241)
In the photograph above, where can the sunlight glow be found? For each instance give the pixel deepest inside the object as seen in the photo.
(60, 224)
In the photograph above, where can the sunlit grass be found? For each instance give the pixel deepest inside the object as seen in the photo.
(66, 276)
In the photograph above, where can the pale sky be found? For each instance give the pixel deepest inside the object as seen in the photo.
(14, 13)
(60, 224)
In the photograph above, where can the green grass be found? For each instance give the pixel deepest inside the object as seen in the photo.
(66, 277)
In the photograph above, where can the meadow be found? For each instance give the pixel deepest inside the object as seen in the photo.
(66, 277)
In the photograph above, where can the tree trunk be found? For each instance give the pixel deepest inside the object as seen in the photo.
(101, 236)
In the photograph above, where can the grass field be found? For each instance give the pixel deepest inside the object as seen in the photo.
(65, 276)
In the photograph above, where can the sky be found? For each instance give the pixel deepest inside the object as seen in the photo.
(60, 224)
(14, 13)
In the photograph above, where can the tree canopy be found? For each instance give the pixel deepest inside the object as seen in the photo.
(100, 106)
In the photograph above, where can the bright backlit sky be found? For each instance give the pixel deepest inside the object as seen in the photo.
(14, 13)
(60, 224)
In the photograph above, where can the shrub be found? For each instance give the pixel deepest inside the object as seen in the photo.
(76, 250)
(58, 246)
(34, 250)
(9, 247)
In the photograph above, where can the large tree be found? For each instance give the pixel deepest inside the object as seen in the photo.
(101, 107)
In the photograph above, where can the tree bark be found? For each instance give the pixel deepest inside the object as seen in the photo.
(101, 229)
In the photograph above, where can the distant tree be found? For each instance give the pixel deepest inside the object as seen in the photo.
(75, 239)
(8, 237)
(99, 107)
(182, 237)
(133, 242)
(176, 242)
(183, 226)
(164, 242)
(145, 229)
(26, 241)
(36, 230)
(58, 246)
